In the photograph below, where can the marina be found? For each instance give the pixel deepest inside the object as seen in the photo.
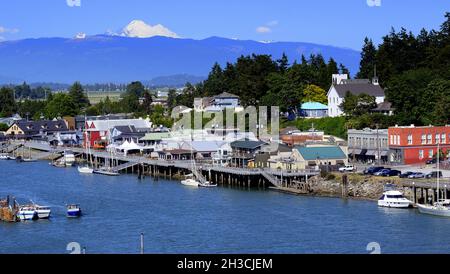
(174, 218)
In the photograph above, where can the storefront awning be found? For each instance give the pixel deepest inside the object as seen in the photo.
(354, 151)
(371, 153)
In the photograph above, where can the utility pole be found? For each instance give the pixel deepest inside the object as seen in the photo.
(378, 148)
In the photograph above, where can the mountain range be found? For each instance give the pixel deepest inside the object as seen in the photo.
(118, 59)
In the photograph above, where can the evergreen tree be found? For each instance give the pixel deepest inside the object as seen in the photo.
(368, 58)
(80, 99)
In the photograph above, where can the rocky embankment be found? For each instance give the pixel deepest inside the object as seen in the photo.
(333, 185)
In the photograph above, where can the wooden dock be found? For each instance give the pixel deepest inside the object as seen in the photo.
(247, 177)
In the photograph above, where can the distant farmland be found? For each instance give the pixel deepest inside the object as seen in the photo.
(96, 96)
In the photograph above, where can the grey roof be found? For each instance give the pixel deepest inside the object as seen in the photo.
(34, 127)
(357, 89)
(385, 106)
(126, 129)
(226, 95)
(246, 144)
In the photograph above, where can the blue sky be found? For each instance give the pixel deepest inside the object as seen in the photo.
(342, 23)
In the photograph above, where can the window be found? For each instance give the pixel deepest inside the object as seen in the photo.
(420, 154)
(430, 154)
(392, 139)
(398, 139)
(424, 139)
(410, 139)
(430, 139)
(443, 139)
(437, 138)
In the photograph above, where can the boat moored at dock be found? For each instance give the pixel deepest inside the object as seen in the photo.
(394, 199)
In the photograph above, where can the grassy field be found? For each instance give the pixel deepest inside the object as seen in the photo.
(96, 96)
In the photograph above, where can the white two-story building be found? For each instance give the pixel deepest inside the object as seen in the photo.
(341, 84)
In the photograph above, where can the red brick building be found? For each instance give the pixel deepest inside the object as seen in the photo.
(412, 145)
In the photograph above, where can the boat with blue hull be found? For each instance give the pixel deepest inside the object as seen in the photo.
(73, 211)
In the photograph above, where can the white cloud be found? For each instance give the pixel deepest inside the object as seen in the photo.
(272, 23)
(267, 28)
(263, 29)
(6, 30)
(140, 29)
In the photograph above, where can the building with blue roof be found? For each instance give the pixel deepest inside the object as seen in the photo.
(313, 110)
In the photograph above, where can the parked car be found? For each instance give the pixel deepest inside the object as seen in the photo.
(391, 173)
(381, 172)
(406, 174)
(347, 169)
(371, 170)
(432, 161)
(416, 175)
(434, 174)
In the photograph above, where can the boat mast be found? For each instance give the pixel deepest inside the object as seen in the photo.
(437, 175)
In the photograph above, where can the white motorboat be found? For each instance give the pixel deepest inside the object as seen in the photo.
(395, 199)
(43, 212)
(85, 170)
(27, 213)
(190, 181)
(4, 156)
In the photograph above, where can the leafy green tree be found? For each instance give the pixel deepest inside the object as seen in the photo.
(130, 99)
(357, 105)
(313, 93)
(3, 127)
(61, 105)
(80, 99)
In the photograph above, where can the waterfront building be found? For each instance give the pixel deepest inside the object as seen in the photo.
(81, 119)
(99, 131)
(35, 129)
(219, 150)
(127, 133)
(413, 145)
(313, 110)
(311, 157)
(368, 145)
(65, 138)
(341, 85)
(244, 152)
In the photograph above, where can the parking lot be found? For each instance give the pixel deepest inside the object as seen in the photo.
(426, 169)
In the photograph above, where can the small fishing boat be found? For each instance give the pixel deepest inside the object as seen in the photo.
(4, 156)
(106, 171)
(206, 184)
(27, 212)
(73, 211)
